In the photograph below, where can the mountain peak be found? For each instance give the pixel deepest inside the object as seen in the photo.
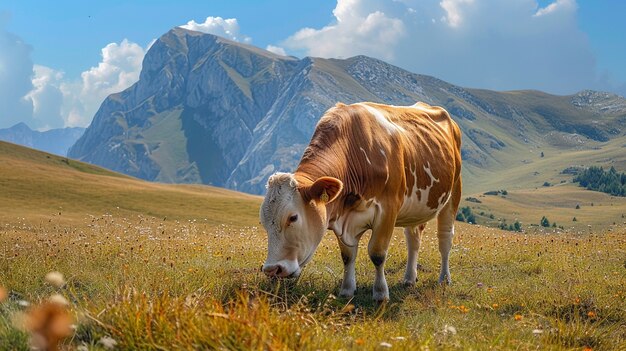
(22, 127)
(181, 33)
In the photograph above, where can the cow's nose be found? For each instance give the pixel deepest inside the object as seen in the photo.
(273, 271)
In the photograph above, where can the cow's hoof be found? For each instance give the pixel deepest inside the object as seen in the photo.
(381, 300)
(445, 280)
(408, 282)
(346, 293)
(380, 296)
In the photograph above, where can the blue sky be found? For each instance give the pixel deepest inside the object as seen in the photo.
(67, 56)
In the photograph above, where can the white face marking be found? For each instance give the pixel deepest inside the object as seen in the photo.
(382, 120)
(366, 158)
(291, 243)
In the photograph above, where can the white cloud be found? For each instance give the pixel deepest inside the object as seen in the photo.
(276, 49)
(454, 10)
(358, 30)
(61, 102)
(16, 69)
(558, 5)
(118, 70)
(227, 28)
(46, 98)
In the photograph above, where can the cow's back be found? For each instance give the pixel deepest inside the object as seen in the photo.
(431, 157)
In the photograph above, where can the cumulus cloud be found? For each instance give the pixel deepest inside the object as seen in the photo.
(357, 30)
(61, 102)
(118, 70)
(453, 10)
(43, 98)
(46, 98)
(227, 28)
(276, 49)
(16, 70)
(493, 44)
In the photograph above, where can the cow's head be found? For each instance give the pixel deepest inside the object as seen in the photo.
(294, 217)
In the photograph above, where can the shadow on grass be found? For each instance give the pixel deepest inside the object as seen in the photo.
(317, 295)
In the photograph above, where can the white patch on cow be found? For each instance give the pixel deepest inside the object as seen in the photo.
(382, 120)
(366, 158)
(386, 165)
(351, 224)
(443, 200)
(416, 211)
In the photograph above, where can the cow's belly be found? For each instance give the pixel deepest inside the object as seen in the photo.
(416, 211)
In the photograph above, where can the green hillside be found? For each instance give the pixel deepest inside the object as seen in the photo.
(35, 184)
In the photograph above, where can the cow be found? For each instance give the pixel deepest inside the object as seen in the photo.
(368, 166)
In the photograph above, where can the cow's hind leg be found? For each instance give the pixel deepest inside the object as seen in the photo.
(413, 241)
(348, 255)
(445, 231)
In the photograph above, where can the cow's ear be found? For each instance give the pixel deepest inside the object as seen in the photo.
(325, 189)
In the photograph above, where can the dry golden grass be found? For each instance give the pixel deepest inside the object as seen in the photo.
(190, 279)
(37, 185)
(150, 284)
(597, 212)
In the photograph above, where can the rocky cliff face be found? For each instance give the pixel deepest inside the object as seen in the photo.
(208, 110)
(55, 141)
(195, 106)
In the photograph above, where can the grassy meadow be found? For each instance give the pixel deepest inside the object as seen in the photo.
(159, 267)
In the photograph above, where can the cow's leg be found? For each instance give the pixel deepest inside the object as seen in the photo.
(348, 255)
(413, 240)
(377, 249)
(445, 230)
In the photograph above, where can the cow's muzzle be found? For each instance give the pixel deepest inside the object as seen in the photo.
(280, 270)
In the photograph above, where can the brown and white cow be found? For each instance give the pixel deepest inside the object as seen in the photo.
(368, 166)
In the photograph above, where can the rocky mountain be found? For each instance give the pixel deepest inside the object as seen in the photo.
(55, 141)
(209, 110)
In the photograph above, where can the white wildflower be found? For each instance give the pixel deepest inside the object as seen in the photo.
(449, 329)
(59, 299)
(108, 342)
(55, 279)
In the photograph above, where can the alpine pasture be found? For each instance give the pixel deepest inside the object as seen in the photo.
(148, 266)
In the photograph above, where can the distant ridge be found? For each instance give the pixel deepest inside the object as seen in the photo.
(210, 110)
(55, 141)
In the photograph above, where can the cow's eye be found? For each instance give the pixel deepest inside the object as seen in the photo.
(293, 218)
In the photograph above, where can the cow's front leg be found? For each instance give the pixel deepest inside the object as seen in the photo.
(348, 255)
(377, 249)
(413, 237)
(445, 231)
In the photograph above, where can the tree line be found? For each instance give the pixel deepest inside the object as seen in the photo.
(596, 178)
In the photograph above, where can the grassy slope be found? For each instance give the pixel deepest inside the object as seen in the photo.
(597, 212)
(186, 283)
(38, 185)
